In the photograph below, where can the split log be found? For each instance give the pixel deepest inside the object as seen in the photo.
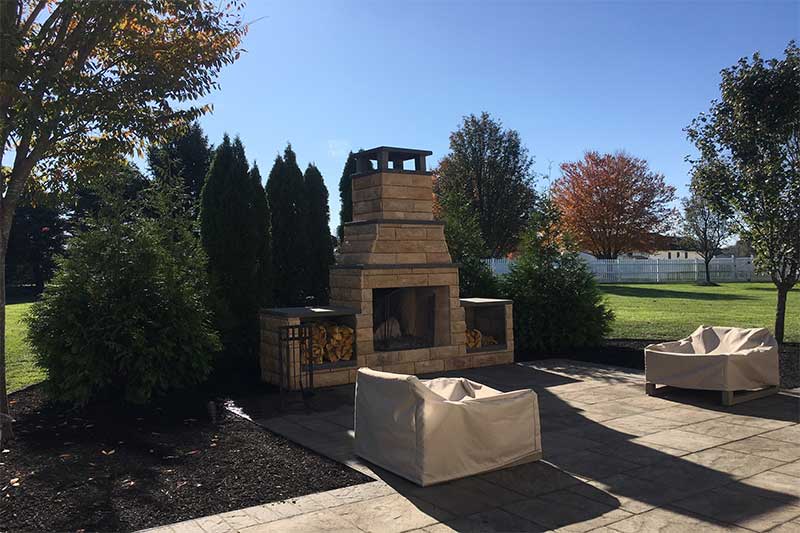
(473, 338)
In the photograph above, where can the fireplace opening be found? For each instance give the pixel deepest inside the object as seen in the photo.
(409, 318)
(486, 324)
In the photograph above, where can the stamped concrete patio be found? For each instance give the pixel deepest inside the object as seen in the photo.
(615, 460)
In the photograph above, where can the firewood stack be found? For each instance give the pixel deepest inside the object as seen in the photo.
(331, 342)
(473, 338)
(476, 339)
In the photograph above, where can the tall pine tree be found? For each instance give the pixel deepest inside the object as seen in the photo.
(346, 194)
(320, 241)
(187, 155)
(231, 233)
(263, 235)
(287, 202)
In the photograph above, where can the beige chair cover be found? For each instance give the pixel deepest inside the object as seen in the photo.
(440, 429)
(715, 358)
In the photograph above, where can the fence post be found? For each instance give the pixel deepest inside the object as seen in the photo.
(658, 275)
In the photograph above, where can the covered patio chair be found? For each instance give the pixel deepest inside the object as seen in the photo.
(742, 363)
(441, 429)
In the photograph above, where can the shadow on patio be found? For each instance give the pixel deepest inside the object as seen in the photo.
(612, 456)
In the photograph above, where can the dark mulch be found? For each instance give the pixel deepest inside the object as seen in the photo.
(108, 469)
(629, 353)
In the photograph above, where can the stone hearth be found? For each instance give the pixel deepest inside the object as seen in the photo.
(394, 244)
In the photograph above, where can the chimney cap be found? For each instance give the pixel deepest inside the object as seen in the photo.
(394, 152)
(389, 154)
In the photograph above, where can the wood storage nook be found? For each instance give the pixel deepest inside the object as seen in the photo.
(395, 275)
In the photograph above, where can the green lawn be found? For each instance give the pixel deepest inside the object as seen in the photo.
(21, 369)
(673, 311)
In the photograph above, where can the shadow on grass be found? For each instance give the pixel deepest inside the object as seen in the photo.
(655, 292)
(771, 288)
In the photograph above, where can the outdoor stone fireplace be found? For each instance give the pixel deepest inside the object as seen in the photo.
(395, 280)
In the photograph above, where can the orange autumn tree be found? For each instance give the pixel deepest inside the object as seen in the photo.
(613, 203)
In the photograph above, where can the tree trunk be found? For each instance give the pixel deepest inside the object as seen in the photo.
(708, 271)
(780, 312)
(6, 432)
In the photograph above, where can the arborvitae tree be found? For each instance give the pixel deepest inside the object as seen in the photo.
(286, 197)
(320, 243)
(346, 194)
(187, 156)
(262, 217)
(229, 228)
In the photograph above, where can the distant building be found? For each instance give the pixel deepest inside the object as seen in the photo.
(670, 247)
(676, 253)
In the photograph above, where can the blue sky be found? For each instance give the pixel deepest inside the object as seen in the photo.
(330, 76)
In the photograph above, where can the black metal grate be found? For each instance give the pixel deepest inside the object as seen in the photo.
(295, 339)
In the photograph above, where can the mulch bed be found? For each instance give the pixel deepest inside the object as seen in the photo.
(111, 469)
(629, 353)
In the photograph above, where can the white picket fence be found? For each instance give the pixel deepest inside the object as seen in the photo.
(659, 270)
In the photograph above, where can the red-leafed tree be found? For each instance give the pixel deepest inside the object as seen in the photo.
(613, 203)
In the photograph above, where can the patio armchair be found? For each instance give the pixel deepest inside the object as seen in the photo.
(430, 431)
(741, 363)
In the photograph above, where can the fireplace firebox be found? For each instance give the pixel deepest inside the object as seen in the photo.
(407, 318)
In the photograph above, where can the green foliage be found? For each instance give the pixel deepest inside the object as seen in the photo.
(346, 194)
(704, 228)
(490, 167)
(749, 162)
(288, 209)
(463, 233)
(186, 155)
(82, 79)
(320, 241)
(557, 304)
(83, 197)
(37, 237)
(125, 316)
(233, 236)
(264, 254)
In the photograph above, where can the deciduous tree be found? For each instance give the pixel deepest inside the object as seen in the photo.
(704, 228)
(613, 203)
(80, 77)
(320, 241)
(749, 162)
(490, 167)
